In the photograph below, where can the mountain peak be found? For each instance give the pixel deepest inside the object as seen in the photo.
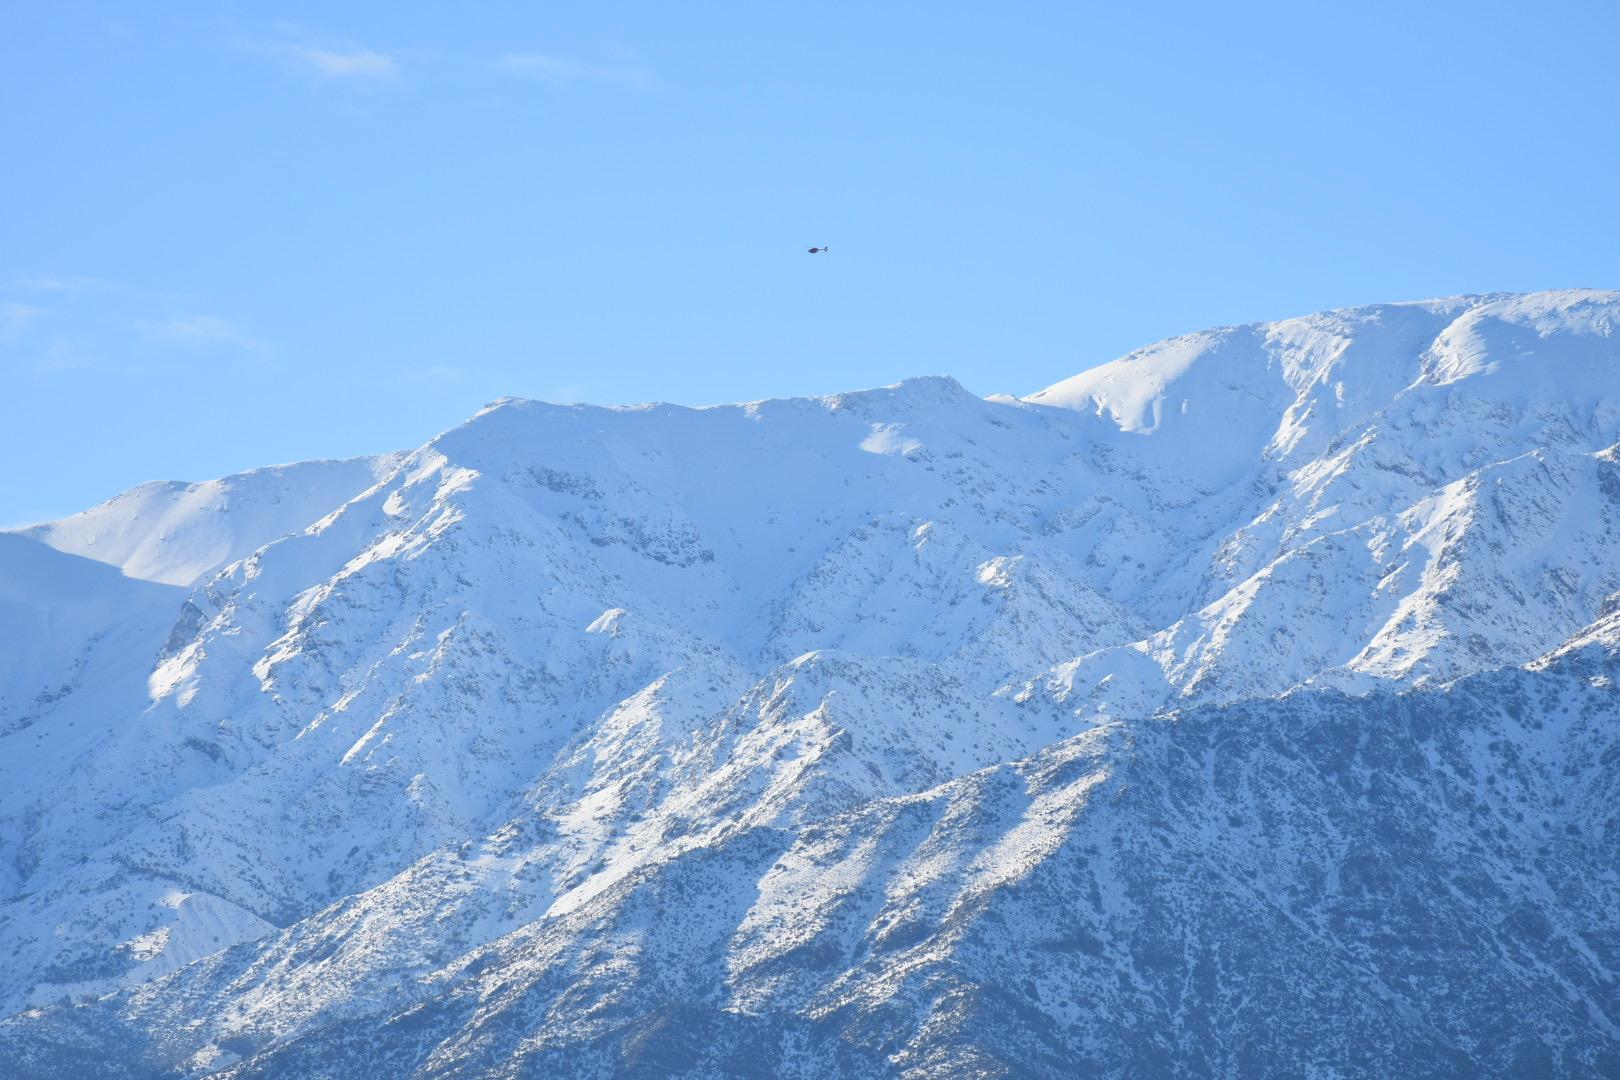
(1141, 390)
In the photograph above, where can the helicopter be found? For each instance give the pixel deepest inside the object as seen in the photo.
(820, 250)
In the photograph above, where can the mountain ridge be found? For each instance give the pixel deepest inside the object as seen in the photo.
(603, 739)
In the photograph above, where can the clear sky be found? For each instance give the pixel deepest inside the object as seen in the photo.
(233, 237)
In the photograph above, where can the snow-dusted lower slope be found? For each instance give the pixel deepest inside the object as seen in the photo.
(1411, 885)
(1243, 706)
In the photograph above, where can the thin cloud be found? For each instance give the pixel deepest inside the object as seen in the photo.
(48, 284)
(568, 69)
(349, 64)
(73, 283)
(200, 332)
(15, 317)
(61, 323)
(61, 355)
(296, 49)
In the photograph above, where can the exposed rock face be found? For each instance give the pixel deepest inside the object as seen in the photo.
(1243, 707)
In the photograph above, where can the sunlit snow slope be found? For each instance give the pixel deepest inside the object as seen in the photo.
(1244, 706)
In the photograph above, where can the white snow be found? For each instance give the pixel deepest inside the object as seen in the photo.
(388, 712)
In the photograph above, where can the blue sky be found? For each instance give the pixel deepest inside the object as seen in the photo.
(231, 237)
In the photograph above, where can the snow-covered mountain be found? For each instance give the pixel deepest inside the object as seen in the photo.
(1244, 706)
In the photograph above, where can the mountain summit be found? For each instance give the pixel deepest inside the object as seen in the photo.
(1244, 706)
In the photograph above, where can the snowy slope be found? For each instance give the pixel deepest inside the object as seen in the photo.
(1244, 705)
(175, 533)
(70, 626)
